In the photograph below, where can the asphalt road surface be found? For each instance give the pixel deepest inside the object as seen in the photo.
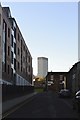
(45, 105)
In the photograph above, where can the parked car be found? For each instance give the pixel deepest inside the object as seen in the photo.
(64, 93)
(76, 101)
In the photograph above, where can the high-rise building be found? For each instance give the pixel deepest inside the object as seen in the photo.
(15, 57)
(42, 66)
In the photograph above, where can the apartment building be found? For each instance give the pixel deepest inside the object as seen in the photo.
(15, 57)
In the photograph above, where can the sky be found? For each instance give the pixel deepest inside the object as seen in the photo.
(50, 29)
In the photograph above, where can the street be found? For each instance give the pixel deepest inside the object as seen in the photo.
(45, 105)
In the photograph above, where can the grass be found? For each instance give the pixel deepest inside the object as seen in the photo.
(39, 90)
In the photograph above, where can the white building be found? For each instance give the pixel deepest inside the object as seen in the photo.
(42, 66)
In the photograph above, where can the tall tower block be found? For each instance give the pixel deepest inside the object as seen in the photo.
(42, 66)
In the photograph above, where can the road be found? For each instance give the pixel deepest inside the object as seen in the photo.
(44, 105)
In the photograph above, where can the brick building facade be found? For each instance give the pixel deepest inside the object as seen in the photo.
(56, 80)
(74, 77)
(15, 57)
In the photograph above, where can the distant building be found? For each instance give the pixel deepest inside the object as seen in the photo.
(42, 66)
(15, 57)
(56, 80)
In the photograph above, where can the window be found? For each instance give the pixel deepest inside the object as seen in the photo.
(23, 59)
(11, 72)
(9, 32)
(14, 78)
(15, 32)
(11, 57)
(61, 77)
(29, 58)
(8, 69)
(3, 67)
(26, 70)
(24, 47)
(8, 50)
(21, 68)
(14, 63)
(21, 43)
(11, 40)
(52, 77)
(4, 25)
(26, 59)
(15, 48)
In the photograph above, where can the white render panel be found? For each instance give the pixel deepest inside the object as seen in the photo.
(12, 66)
(21, 81)
(12, 49)
(14, 55)
(14, 71)
(14, 24)
(14, 40)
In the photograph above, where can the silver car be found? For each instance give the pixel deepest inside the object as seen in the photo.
(64, 93)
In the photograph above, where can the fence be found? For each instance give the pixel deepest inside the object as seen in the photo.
(12, 91)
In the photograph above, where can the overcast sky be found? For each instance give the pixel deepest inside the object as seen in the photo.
(50, 30)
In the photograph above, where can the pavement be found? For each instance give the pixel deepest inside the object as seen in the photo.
(9, 104)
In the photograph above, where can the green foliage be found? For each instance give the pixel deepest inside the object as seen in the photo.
(39, 90)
